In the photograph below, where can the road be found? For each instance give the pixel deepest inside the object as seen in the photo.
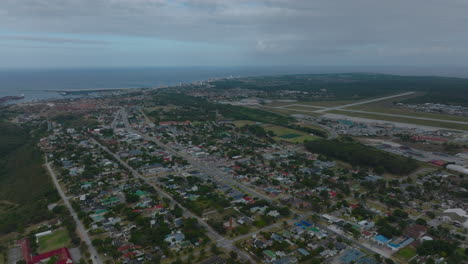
(209, 169)
(212, 234)
(362, 102)
(397, 124)
(95, 258)
(407, 116)
(215, 172)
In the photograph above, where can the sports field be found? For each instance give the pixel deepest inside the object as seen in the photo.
(288, 134)
(56, 240)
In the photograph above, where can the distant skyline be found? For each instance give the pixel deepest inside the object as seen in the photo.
(147, 33)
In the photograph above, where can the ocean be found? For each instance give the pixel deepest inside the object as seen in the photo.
(31, 83)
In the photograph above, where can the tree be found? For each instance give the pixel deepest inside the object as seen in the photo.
(233, 255)
(131, 198)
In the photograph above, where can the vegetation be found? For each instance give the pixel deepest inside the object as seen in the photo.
(356, 86)
(57, 239)
(199, 109)
(23, 181)
(409, 120)
(359, 155)
(74, 121)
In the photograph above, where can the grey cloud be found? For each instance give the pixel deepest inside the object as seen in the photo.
(263, 27)
(55, 40)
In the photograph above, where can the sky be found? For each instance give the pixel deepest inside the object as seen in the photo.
(136, 33)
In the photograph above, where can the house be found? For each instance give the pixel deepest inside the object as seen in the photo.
(382, 240)
(269, 255)
(366, 225)
(400, 243)
(276, 237)
(457, 216)
(286, 260)
(175, 239)
(273, 213)
(415, 231)
(303, 252)
(259, 243)
(340, 246)
(214, 260)
(351, 256)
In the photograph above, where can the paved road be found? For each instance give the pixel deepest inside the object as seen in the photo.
(115, 120)
(212, 172)
(81, 230)
(407, 116)
(212, 234)
(397, 124)
(346, 237)
(209, 169)
(362, 102)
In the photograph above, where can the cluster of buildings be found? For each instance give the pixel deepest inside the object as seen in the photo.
(438, 108)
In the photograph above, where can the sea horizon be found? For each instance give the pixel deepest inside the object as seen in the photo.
(32, 82)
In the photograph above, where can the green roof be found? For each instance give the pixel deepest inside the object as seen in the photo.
(269, 253)
(140, 193)
(110, 200)
(314, 229)
(97, 218)
(193, 197)
(101, 211)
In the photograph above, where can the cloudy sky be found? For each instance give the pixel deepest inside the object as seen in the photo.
(83, 33)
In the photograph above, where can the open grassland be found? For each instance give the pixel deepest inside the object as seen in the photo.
(241, 123)
(312, 126)
(56, 240)
(398, 110)
(287, 111)
(302, 108)
(288, 134)
(277, 104)
(408, 120)
(337, 102)
(328, 103)
(388, 107)
(406, 253)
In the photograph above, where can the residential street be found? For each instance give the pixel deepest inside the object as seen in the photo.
(212, 234)
(214, 172)
(81, 230)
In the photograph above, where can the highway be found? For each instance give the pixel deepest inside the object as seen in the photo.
(212, 234)
(95, 258)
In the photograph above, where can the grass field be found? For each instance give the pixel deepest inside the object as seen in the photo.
(2, 258)
(408, 120)
(56, 240)
(398, 110)
(241, 123)
(306, 108)
(288, 135)
(406, 253)
(288, 111)
(328, 103)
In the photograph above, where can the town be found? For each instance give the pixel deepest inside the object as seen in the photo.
(195, 174)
